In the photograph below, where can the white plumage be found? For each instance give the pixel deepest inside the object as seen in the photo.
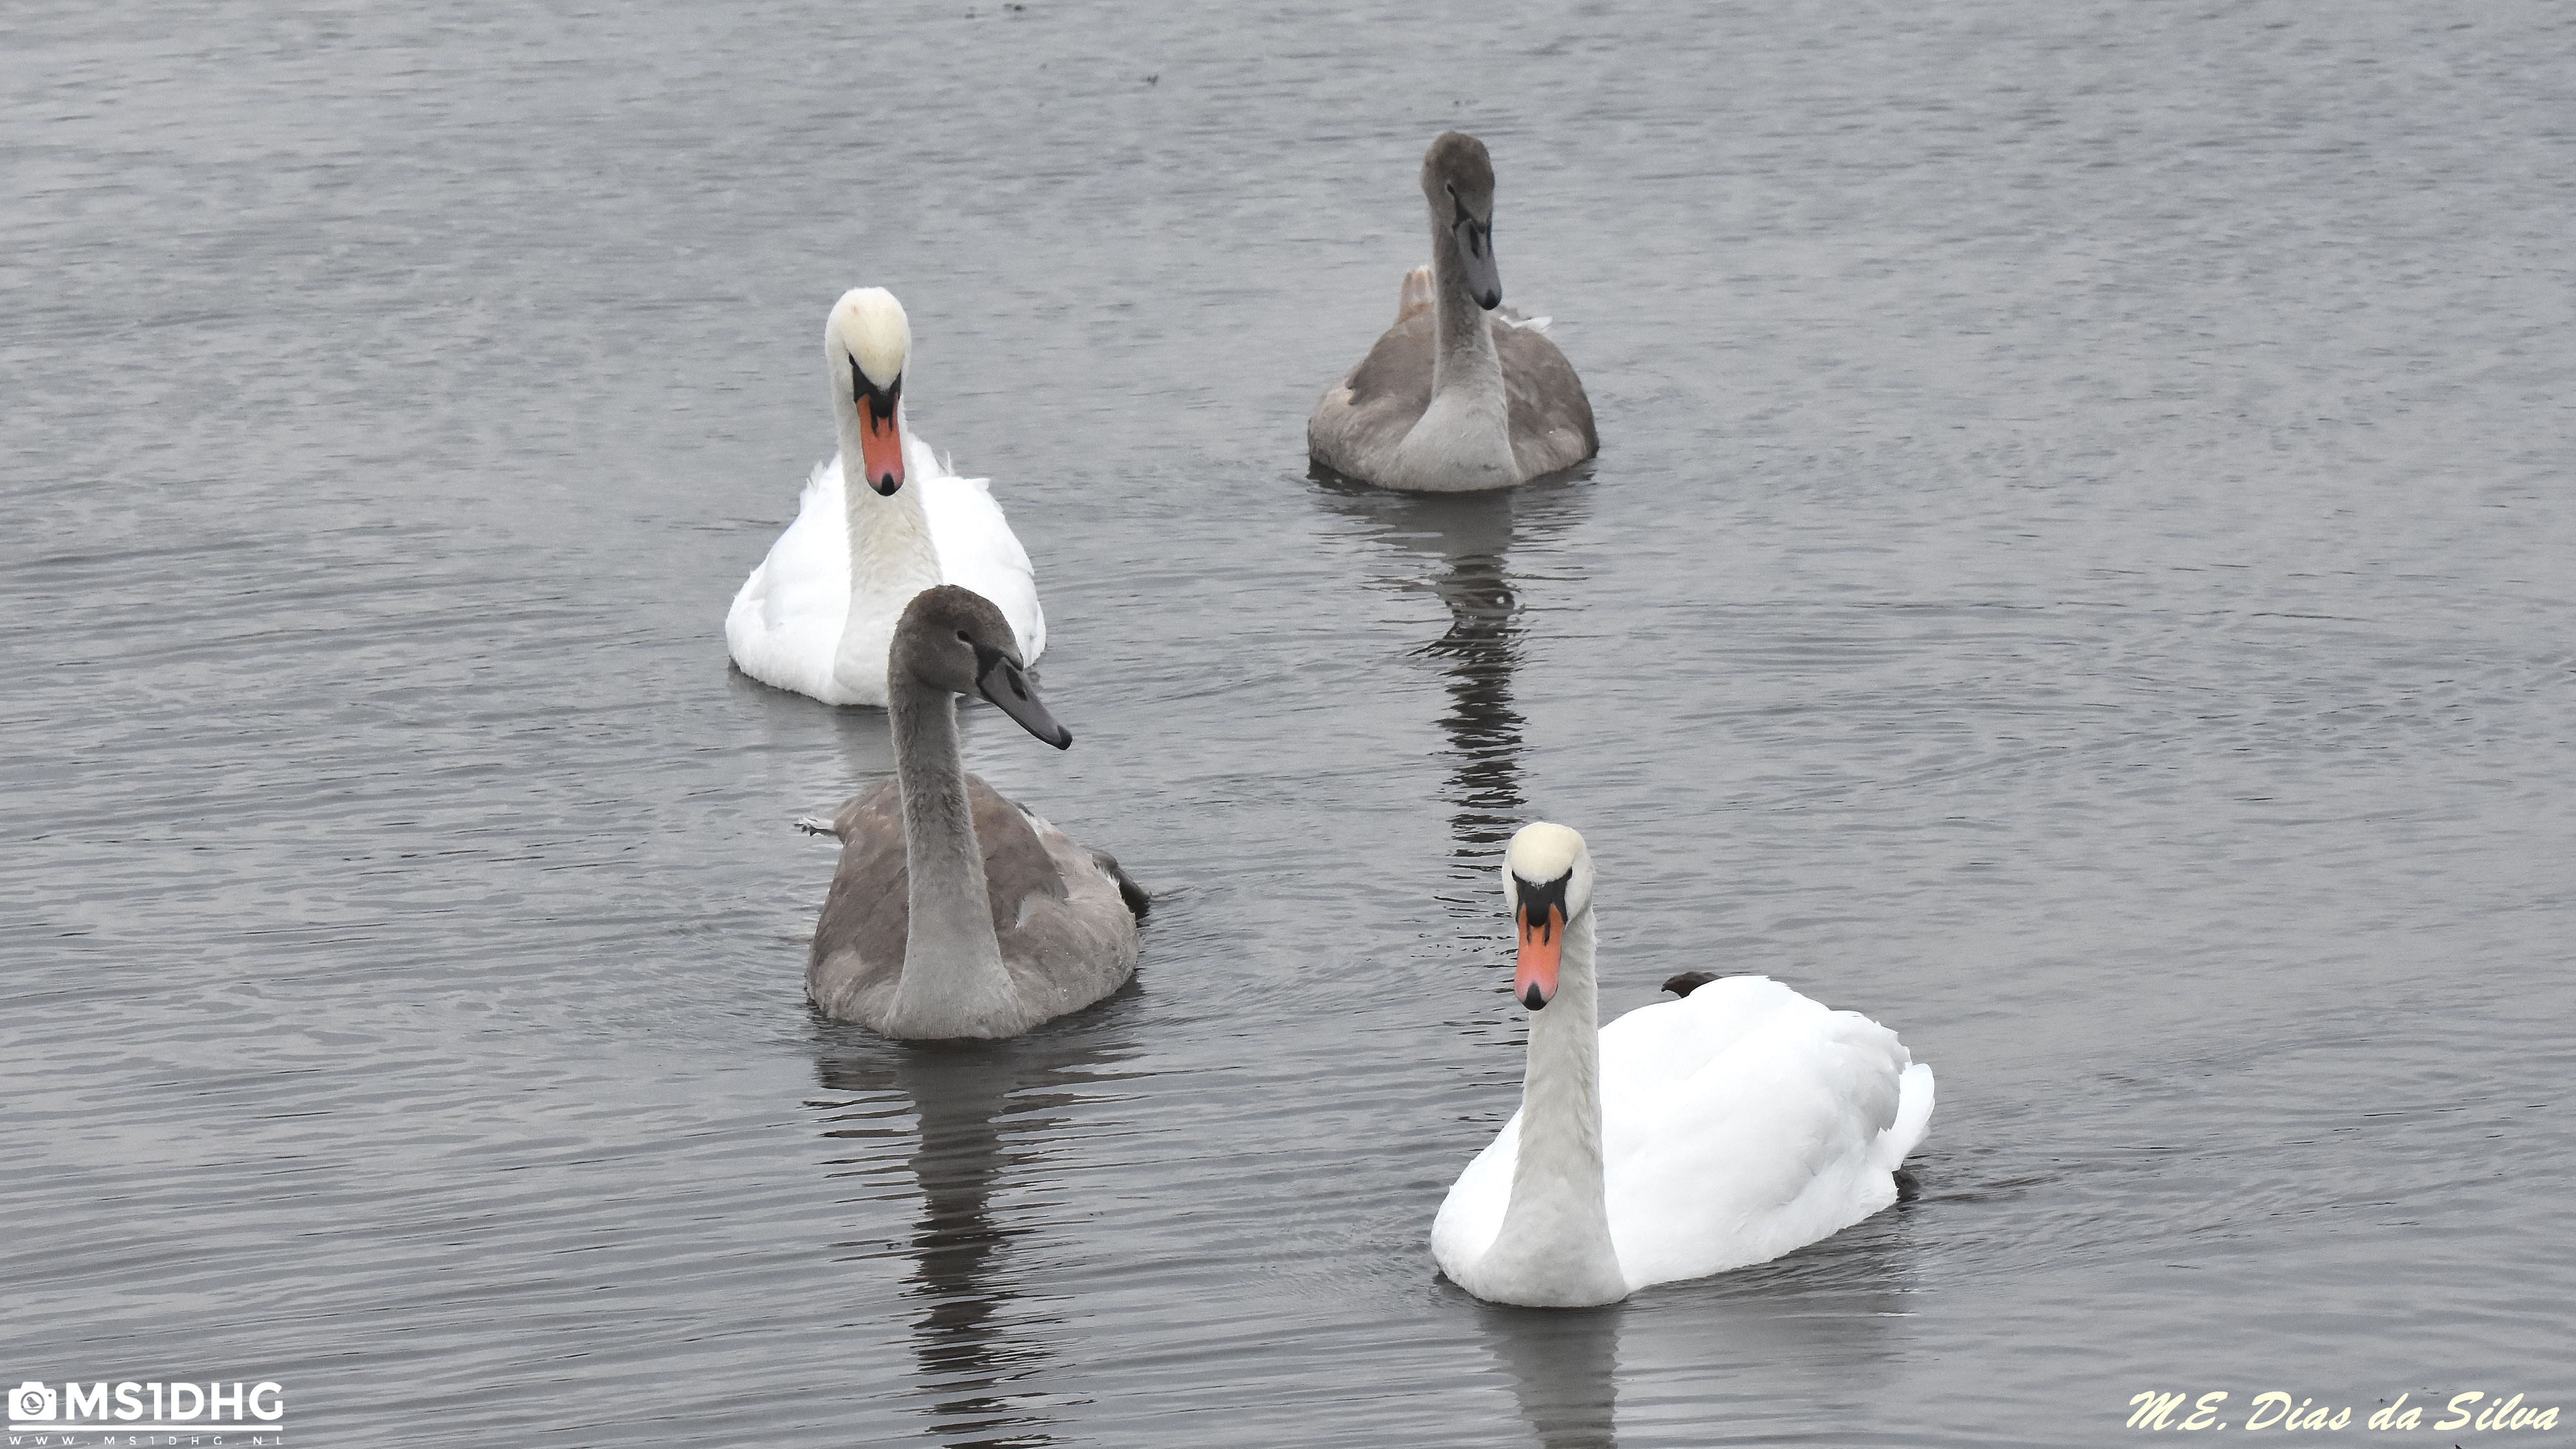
(786, 622)
(1686, 1138)
(1737, 1123)
(818, 615)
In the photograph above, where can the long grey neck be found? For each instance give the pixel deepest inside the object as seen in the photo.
(953, 983)
(892, 557)
(1465, 356)
(1556, 1232)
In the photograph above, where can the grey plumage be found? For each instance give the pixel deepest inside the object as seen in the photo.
(1450, 400)
(1381, 399)
(1045, 889)
(1057, 928)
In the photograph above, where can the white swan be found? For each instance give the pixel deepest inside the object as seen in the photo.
(807, 620)
(956, 912)
(1450, 399)
(1683, 1139)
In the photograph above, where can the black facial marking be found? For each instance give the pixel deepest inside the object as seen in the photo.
(988, 659)
(1476, 238)
(1532, 912)
(879, 401)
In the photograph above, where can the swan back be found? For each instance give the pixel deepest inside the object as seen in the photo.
(1745, 1120)
(1064, 917)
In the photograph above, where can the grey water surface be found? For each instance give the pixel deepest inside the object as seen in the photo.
(2079, 569)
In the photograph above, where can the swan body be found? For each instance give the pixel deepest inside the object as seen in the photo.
(818, 614)
(1451, 399)
(790, 617)
(956, 912)
(1686, 1138)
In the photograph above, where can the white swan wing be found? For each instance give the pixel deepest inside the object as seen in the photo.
(978, 550)
(1655, 1136)
(1745, 1121)
(785, 623)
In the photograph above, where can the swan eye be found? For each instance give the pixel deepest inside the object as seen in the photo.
(964, 638)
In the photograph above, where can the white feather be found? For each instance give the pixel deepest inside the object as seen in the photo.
(1737, 1123)
(786, 622)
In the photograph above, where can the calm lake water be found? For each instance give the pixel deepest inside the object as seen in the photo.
(2079, 568)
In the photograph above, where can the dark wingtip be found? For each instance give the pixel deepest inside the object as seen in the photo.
(1138, 903)
(1685, 982)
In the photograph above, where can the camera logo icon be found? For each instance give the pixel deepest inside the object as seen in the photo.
(31, 1401)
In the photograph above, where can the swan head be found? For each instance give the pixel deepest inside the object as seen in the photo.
(1547, 883)
(1458, 181)
(954, 639)
(866, 343)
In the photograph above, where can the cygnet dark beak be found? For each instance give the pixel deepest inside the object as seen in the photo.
(1008, 687)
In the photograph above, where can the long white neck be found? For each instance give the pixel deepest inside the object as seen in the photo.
(1555, 1238)
(892, 557)
(1464, 360)
(953, 982)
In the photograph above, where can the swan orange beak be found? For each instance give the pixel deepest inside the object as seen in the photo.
(880, 447)
(1542, 946)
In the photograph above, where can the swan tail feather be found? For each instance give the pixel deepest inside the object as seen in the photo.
(1138, 902)
(1414, 295)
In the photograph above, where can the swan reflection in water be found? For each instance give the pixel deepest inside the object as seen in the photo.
(1736, 1352)
(1458, 547)
(981, 1362)
(1564, 1368)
